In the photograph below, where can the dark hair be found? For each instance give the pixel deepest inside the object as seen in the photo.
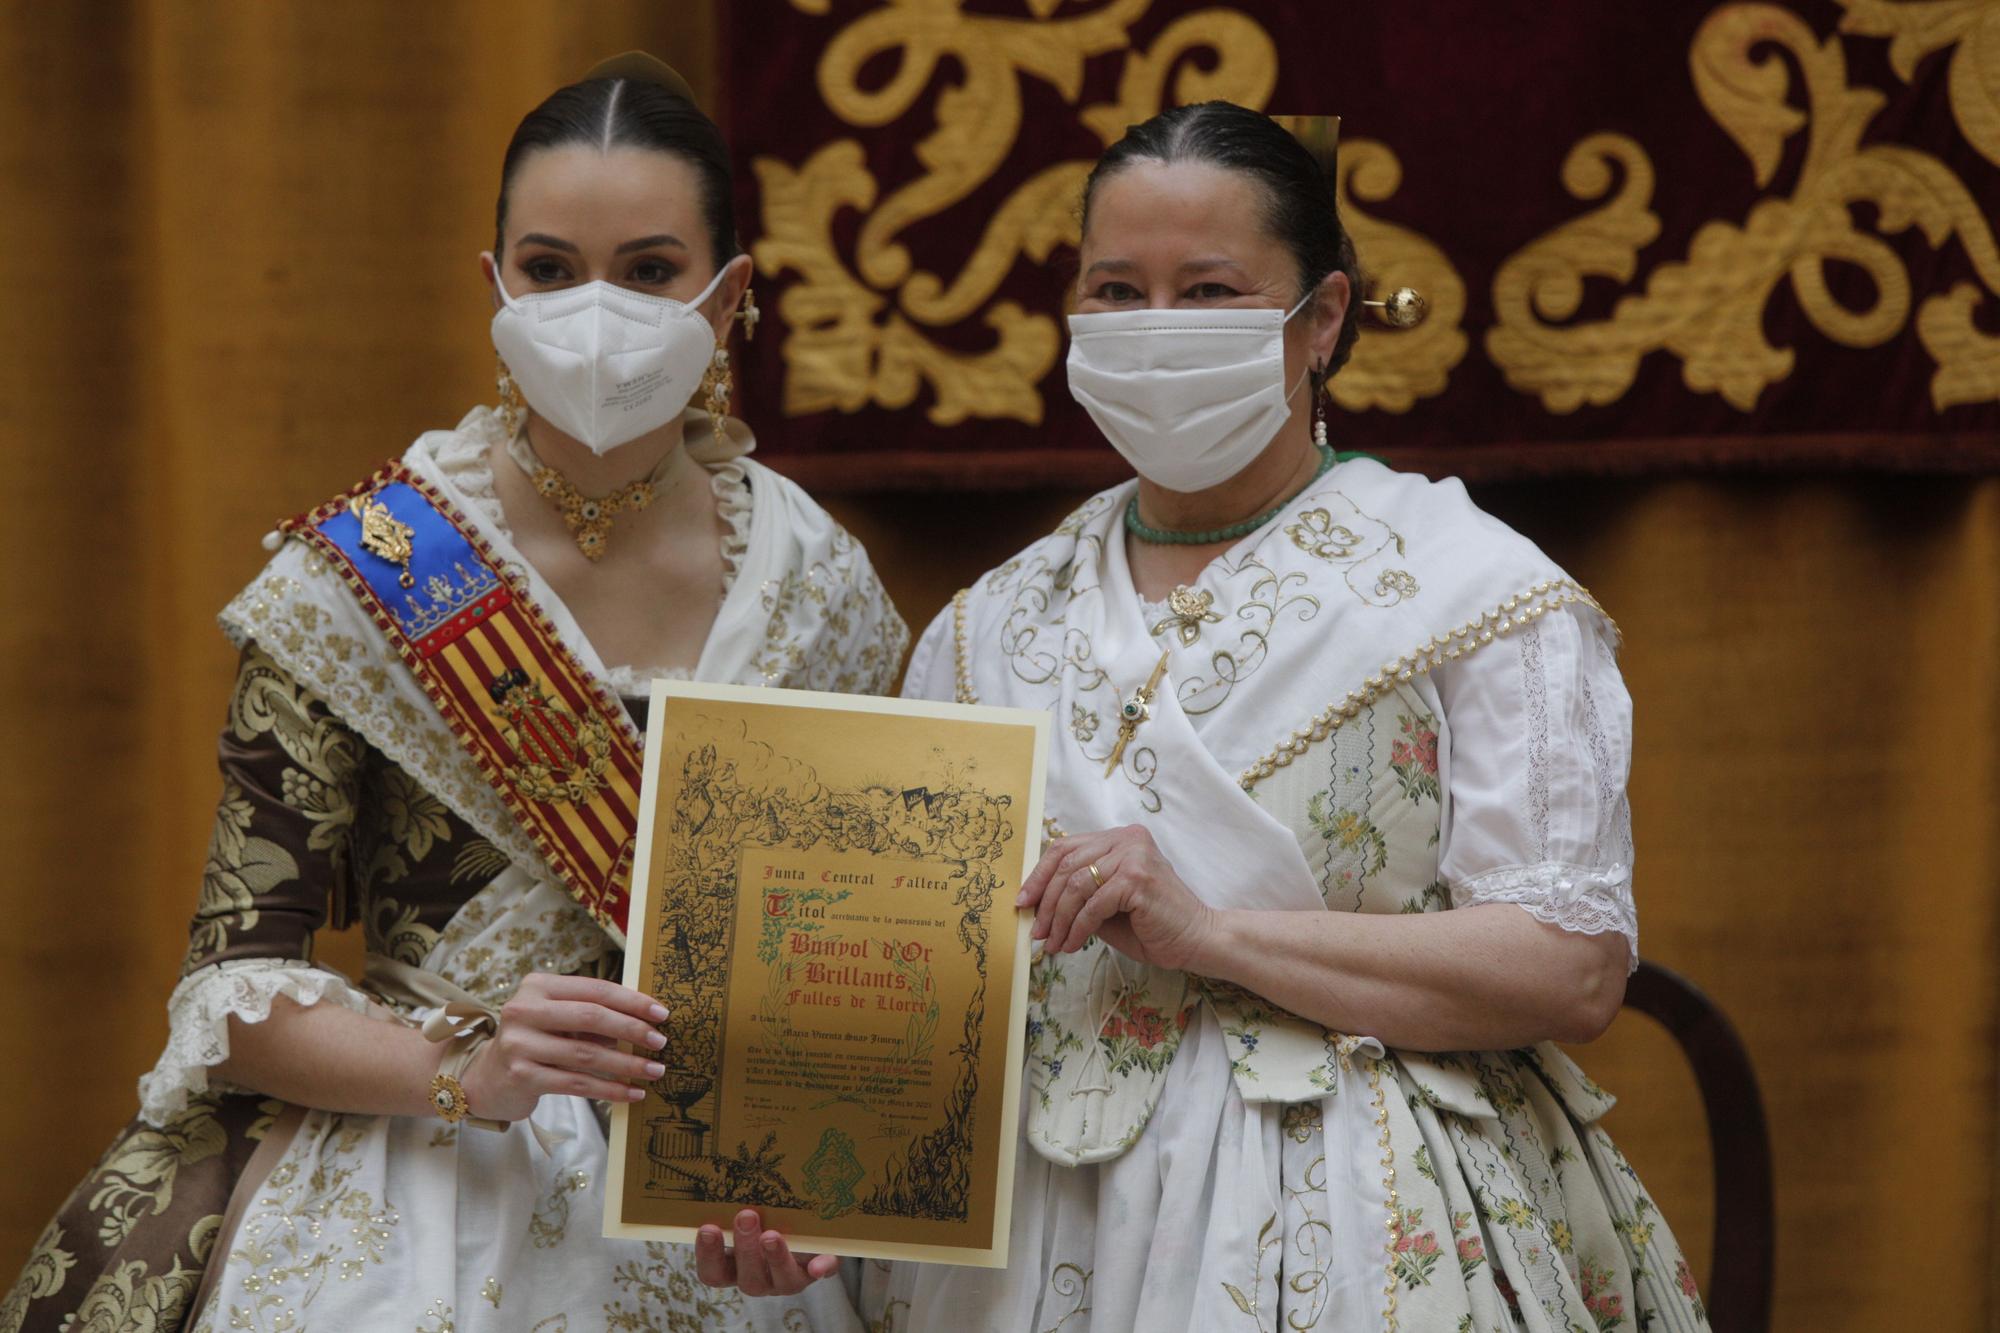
(1299, 205)
(611, 113)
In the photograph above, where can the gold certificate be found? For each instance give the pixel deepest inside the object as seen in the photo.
(823, 896)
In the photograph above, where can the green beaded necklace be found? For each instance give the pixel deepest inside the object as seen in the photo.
(1145, 532)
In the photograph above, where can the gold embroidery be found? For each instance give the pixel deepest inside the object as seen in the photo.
(1516, 612)
(1252, 1302)
(491, 1291)
(1973, 26)
(1708, 309)
(1188, 610)
(1070, 1282)
(550, 1223)
(853, 336)
(297, 1233)
(1272, 597)
(558, 755)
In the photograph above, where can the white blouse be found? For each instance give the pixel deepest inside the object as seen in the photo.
(1540, 729)
(1539, 732)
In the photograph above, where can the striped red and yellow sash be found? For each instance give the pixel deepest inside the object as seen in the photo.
(556, 745)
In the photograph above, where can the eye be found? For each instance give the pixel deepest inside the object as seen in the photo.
(1211, 291)
(652, 273)
(544, 271)
(1116, 291)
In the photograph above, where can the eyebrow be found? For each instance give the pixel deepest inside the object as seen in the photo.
(1191, 266)
(648, 242)
(642, 243)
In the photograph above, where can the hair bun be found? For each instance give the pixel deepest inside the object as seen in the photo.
(643, 68)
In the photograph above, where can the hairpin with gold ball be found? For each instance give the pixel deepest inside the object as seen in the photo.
(1403, 308)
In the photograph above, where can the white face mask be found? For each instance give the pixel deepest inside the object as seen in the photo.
(604, 364)
(1190, 397)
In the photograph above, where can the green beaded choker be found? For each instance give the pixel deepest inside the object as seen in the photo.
(1168, 537)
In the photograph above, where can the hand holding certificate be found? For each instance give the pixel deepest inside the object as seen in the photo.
(823, 895)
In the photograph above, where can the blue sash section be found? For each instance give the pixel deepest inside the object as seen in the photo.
(449, 572)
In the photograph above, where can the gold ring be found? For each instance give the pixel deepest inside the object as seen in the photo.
(1095, 878)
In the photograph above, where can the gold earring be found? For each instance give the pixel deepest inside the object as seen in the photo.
(749, 314)
(512, 410)
(716, 382)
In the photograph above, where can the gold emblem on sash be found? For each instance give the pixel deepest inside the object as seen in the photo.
(558, 755)
(384, 535)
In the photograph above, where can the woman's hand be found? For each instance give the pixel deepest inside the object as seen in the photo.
(760, 1265)
(558, 1035)
(1135, 900)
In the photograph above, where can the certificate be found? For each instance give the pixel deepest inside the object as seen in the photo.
(823, 896)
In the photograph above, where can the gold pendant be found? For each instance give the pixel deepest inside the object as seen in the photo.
(1188, 610)
(384, 535)
(1137, 708)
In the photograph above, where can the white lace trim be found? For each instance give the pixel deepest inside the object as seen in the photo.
(1576, 898)
(198, 1017)
(637, 682)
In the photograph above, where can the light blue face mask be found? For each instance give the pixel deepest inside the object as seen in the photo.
(1190, 397)
(602, 363)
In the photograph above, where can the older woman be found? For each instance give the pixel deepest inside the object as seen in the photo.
(434, 734)
(1340, 780)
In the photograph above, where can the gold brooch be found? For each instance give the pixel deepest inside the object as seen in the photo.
(1188, 610)
(1137, 708)
(384, 535)
(448, 1098)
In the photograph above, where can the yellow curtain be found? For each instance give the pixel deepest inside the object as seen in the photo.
(239, 270)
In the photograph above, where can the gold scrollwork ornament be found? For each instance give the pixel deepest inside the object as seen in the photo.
(1708, 309)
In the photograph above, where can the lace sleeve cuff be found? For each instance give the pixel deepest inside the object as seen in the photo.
(1576, 898)
(198, 1017)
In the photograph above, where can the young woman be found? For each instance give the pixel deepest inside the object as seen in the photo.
(1340, 771)
(434, 734)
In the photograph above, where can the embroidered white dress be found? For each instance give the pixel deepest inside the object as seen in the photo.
(370, 1222)
(1383, 701)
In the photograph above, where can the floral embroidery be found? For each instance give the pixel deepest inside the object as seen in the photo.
(1414, 757)
(1083, 723)
(1606, 1306)
(550, 1223)
(1138, 1038)
(297, 1234)
(1416, 1252)
(670, 1299)
(1251, 1303)
(1471, 1249)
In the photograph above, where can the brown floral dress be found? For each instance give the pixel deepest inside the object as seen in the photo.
(315, 828)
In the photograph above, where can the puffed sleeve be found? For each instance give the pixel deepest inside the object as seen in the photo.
(933, 672)
(1540, 730)
(279, 863)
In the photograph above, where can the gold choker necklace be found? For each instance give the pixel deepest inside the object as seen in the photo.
(588, 518)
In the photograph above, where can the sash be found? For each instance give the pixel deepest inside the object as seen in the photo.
(562, 754)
